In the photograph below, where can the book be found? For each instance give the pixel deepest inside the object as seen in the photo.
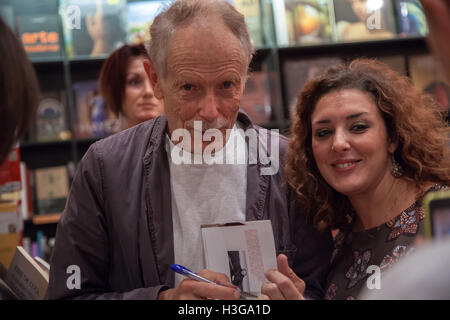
(26, 198)
(93, 28)
(140, 16)
(52, 122)
(52, 189)
(10, 229)
(92, 119)
(40, 35)
(427, 76)
(307, 21)
(26, 278)
(298, 72)
(256, 98)
(243, 251)
(252, 14)
(364, 20)
(10, 176)
(411, 18)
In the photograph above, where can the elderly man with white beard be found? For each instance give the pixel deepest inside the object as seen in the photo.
(134, 209)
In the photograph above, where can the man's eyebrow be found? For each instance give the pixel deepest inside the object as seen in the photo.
(351, 116)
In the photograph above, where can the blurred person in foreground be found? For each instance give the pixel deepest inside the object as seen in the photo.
(366, 147)
(424, 275)
(19, 98)
(19, 91)
(438, 19)
(126, 89)
(133, 210)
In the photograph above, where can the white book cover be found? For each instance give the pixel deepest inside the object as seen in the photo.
(242, 251)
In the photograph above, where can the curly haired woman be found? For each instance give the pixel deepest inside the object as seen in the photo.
(366, 147)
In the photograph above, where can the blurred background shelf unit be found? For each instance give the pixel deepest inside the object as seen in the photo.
(294, 40)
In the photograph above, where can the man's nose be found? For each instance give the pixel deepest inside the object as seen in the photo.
(340, 142)
(148, 89)
(209, 109)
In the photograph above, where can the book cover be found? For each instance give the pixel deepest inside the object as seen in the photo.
(411, 18)
(9, 231)
(307, 21)
(52, 122)
(242, 251)
(52, 189)
(140, 16)
(364, 20)
(92, 119)
(427, 75)
(93, 28)
(298, 72)
(10, 177)
(252, 13)
(256, 98)
(26, 278)
(40, 35)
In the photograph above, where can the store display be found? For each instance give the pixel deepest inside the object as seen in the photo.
(91, 117)
(140, 15)
(411, 18)
(307, 21)
(428, 77)
(252, 12)
(40, 35)
(101, 27)
(52, 189)
(52, 122)
(362, 20)
(256, 99)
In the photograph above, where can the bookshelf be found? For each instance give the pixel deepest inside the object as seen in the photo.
(60, 73)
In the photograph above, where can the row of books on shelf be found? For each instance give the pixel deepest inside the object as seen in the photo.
(38, 192)
(92, 119)
(96, 28)
(423, 69)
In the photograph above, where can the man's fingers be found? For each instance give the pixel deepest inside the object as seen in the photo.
(283, 267)
(219, 278)
(211, 291)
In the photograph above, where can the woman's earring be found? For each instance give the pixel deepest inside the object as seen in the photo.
(396, 168)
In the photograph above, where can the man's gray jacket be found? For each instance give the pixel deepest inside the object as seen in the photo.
(117, 224)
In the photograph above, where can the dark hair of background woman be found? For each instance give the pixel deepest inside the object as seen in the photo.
(113, 75)
(19, 90)
(411, 118)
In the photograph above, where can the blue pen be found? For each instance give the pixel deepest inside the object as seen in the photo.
(192, 275)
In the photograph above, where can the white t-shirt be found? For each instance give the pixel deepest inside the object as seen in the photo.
(205, 194)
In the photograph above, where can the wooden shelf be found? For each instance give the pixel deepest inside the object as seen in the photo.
(46, 218)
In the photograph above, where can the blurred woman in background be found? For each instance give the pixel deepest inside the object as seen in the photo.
(366, 147)
(125, 87)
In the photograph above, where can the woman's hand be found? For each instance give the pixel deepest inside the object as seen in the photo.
(284, 283)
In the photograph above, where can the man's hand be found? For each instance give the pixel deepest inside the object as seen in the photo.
(190, 289)
(284, 283)
(438, 18)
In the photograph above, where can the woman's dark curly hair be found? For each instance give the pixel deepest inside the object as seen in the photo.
(411, 119)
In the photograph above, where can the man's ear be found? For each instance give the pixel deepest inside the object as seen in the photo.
(154, 78)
